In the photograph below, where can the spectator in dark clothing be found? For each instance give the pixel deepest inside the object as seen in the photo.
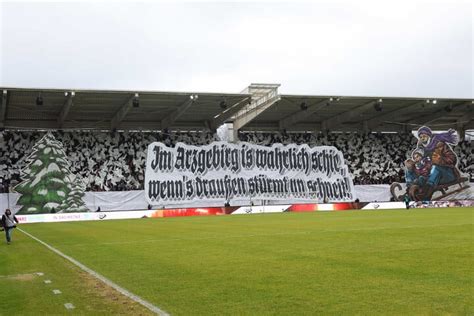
(9, 222)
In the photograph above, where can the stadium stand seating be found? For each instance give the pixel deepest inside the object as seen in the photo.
(375, 158)
(116, 161)
(106, 161)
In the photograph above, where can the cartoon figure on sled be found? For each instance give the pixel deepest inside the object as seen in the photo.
(432, 167)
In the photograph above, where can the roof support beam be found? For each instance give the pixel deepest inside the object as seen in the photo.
(438, 114)
(263, 97)
(337, 120)
(3, 109)
(207, 124)
(121, 113)
(167, 121)
(65, 110)
(463, 122)
(296, 117)
(376, 121)
(229, 112)
(466, 118)
(252, 113)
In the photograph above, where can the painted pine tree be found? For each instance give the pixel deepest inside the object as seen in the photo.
(46, 178)
(74, 202)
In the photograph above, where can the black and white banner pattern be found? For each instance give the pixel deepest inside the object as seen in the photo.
(223, 171)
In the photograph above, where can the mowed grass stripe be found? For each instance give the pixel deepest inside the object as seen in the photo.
(387, 262)
(261, 235)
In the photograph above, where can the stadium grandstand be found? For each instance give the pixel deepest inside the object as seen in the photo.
(106, 133)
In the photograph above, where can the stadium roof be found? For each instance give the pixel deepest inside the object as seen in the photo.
(259, 107)
(90, 109)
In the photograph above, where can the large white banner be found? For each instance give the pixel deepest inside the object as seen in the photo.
(135, 200)
(106, 201)
(222, 171)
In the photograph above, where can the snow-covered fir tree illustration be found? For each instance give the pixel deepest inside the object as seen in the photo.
(48, 184)
(74, 202)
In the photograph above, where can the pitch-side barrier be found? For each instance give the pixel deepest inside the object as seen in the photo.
(232, 210)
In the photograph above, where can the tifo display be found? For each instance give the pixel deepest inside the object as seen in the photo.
(222, 172)
(240, 174)
(116, 162)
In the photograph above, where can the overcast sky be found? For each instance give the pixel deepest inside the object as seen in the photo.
(409, 49)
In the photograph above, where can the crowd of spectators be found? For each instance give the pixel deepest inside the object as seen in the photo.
(375, 158)
(116, 161)
(105, 161)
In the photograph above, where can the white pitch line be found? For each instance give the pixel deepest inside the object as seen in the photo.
(117, 287)
(13, 276)
(47, 281)
(69, 306)
(56, 292)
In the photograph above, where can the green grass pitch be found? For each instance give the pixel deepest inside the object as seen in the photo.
(352, 262)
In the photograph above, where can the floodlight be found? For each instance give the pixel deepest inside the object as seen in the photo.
(39, 100)
(223, 104)
(378, 105)
(136, 101)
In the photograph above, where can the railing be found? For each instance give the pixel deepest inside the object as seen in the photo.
(262, 94)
